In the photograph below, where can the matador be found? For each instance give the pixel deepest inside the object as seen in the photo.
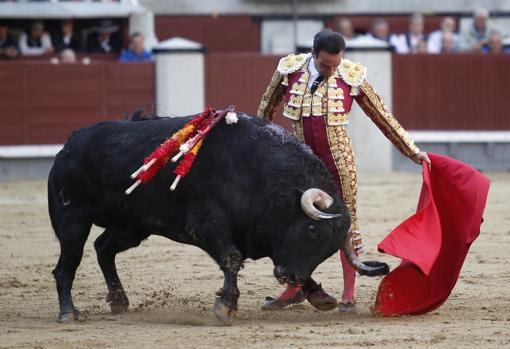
(318, 90)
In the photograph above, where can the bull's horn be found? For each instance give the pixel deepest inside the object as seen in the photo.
(320, 198)
(371, 268)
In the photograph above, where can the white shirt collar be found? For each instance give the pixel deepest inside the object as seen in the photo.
(314, 73)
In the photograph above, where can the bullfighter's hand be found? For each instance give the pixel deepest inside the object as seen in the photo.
(422, 156)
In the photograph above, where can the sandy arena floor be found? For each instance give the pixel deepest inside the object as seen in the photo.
(171, 287)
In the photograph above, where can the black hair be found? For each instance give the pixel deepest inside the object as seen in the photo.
(328, 41)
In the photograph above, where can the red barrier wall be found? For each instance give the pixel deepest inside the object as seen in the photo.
(43, 103)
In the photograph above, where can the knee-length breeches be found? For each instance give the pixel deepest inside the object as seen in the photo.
(333, 146)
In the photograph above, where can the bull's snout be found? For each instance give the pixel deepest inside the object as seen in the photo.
(287, 277)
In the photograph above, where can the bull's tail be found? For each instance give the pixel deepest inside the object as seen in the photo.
(369, 268)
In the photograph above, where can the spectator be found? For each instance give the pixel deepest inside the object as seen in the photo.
(67, 38)
(436, 39)
(67, 55)
(136, 51)
(448, 43)
(408, 42)
(37, 42)
(495, 44)
(8, 46)
(421, 47)
(381, 31)
(101, 40)
(474, 37)
(346, 29)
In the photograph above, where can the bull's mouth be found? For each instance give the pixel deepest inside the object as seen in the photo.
(285, 277)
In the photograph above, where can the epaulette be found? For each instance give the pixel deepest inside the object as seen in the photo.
(352, 73)
(292, 63)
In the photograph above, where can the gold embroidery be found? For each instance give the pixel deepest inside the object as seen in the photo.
(285, 81)
(292, 63)
(335, 92)
(336, 106)
(352, 73)
(374, 107)
(295, 101)
(291, 113)
(317, 110)
(337, 119)
(341, 150)
(271, 97)
(298, 88)
(298, 130)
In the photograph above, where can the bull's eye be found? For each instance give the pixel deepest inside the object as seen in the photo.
(312, 232)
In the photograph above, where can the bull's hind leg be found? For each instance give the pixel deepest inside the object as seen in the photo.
(107, 246)
(72, 229)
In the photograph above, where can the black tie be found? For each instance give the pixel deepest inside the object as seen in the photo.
(316, 83)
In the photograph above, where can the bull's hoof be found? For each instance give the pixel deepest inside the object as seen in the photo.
(223, 313)
(118, 301)
(119, 308)
(69, 316)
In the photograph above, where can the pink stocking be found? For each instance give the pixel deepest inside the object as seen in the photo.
(349, 280)
(289, 292)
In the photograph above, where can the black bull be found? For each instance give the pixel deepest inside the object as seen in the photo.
(246, 196)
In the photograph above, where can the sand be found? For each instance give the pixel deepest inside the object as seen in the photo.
(171, 287)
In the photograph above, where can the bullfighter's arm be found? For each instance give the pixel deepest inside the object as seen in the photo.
(374, 107)
(272, 97)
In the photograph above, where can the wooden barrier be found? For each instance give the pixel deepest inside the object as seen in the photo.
(451, 92)
(43, 103)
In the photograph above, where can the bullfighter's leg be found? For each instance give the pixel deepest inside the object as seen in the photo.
(107, 246)
(344, 172)
(311, 290)
(72, 228)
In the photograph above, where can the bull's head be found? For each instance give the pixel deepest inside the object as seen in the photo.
(314, 229)
(314, 236)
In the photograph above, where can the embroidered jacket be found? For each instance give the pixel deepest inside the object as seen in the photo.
(332, 99)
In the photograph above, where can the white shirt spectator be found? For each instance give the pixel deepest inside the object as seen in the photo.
(407, 43)
(27, 50)
(436, 39)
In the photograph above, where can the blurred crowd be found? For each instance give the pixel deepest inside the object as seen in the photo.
(64, 43)
(479, 37)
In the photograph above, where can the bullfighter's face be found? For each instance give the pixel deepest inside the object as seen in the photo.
(327, 63)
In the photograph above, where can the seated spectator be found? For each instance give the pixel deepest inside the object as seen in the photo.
(448, 43)
(136, 51)
(102, 39)
(381, 31)
(421, 47)
(495, 44)
(408, 42)
(474, 37)
(346, 29)
(67, 38)
(436, 40)
(8, 46)
(37, 42)
(67, 56)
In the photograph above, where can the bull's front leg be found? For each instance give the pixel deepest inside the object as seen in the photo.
(225, 307)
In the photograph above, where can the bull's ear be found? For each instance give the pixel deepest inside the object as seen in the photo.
(296, 194)
(299, 191)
